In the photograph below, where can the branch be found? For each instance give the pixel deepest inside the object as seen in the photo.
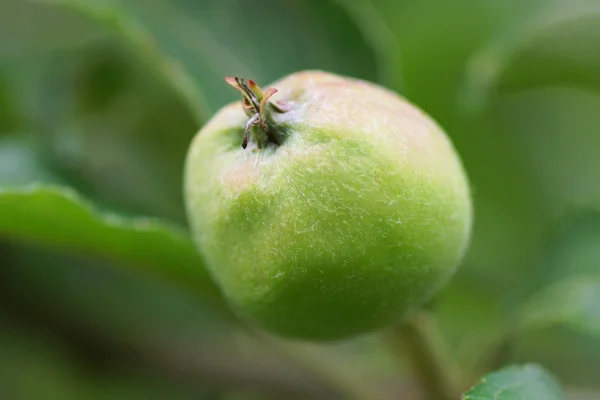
(418, 339)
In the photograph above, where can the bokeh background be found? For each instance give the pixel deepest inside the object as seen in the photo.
(103, 97)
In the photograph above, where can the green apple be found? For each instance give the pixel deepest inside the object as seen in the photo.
(344, 207)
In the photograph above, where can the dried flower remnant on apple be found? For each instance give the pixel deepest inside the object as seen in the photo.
(254, 102)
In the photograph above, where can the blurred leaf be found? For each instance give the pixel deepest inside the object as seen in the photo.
(142, 323)
(196, 44)
(105, 125)
(582, 393)
(382, 40)
(236, 38)
(551, 44)
(572, 356)
(37, 365)
(574, 247)
(556, 138)
(529, 382)
(573, 302)
(118, 20)
(528, 157)
(562, 55)
(31, 368)
(19, 164)
(9, 115)
(71, 289)
(426, 43)
(58, 217)
(28, 30)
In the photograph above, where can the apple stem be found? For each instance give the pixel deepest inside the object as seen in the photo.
(256, 105)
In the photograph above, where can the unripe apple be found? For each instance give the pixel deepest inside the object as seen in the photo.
(344, 208)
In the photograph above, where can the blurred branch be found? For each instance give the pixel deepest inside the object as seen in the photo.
(325, 371)
(419, 341)
(496, 353)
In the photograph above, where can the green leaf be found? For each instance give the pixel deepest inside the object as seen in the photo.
(529, 382)
(555, 133)
(574, 302)
(409, 37)
(550, 44)
(113, 131)
(114, 15)
(10, 117)
(237, 38)
(28, 29)
(382, 40)
(19, 165)
(59, 218)
(196, 44)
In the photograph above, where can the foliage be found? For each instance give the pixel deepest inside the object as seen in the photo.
(99, 100)
(516, 382)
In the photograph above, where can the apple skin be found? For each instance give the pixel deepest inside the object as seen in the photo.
(356, 219)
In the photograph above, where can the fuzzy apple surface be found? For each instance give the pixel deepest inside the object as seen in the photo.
(357, 214)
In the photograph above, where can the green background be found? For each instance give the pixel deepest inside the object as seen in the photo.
(99, 100)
